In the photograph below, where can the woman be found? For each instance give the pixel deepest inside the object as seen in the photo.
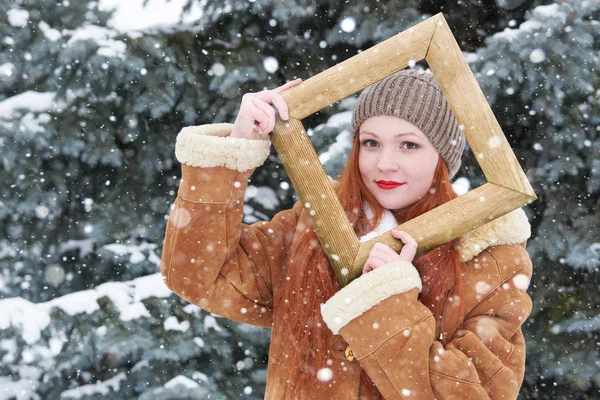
(445, 325)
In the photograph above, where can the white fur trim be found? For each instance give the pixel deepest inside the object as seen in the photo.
(368, 290)
(388, 222)
(511, 228)
(209, 146)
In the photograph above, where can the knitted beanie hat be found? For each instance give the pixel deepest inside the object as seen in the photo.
(415, 96)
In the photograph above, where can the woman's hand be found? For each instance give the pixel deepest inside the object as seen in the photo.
(382, 254)
(256, 118)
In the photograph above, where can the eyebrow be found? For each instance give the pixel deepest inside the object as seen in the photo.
(396, 135)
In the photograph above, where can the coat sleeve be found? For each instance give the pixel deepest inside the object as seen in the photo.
(209, 257)
(391, 332)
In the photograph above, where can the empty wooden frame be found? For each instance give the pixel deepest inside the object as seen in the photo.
(507, 187)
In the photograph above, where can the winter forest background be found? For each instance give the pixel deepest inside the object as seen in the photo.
(91, 102)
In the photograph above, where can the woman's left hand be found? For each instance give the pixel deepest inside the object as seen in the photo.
(382, 254)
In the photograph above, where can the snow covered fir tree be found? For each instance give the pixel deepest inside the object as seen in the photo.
(90, 106)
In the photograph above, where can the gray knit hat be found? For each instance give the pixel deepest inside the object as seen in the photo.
(415, 96)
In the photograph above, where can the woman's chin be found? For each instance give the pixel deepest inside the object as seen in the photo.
(387, 204)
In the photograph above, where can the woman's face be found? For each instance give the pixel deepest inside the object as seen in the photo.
(394, 150)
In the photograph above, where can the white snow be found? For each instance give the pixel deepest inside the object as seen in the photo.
(31, 101)
(103, 388)
(324, 374)
(211, 322)
(340, 119)
(578, 323)
(17, 17)
(470, 57)
(51, 34)
(7, 70)
(271, 64)
(549, 11)
(217, 69)
(9, 346)
(85, 246)
(540, 13)
(33, 123)
(183, 381)
(461, 186)
(23, 389)
(521, 281)
(263, 195)
(348, 24)
(135, 251)
(109, 47)
(172, 324)
(537, 56)
(127, 297)
(342, 145)
(512, 34)
(131, 15)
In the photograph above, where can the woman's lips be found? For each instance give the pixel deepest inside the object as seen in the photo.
(388, 186)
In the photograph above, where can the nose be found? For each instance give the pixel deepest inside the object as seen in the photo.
(388, 162)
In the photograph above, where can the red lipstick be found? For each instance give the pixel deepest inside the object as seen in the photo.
(389, 185)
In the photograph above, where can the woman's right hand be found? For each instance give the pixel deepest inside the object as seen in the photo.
(256, 118)
(382, 254)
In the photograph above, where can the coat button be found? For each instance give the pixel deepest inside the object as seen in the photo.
(349, 354)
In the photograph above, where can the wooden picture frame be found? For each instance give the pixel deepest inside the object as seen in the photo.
(507, 187)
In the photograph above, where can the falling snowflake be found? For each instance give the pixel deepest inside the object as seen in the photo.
(348, 24)
(537, 56)
(521, 281)
(325, 374)
(271, 64)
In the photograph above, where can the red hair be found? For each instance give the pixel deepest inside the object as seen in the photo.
(310, 280)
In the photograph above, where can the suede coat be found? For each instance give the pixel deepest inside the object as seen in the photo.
(213, 260)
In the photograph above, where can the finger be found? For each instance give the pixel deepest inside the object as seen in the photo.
(408, 252)
(405, 237)
(268, 110)
(261, 119)
(372, 263)
(259, 116)
(386, 250)
(271, 96)
(397, 233)
(288, 85)
(383, 255)
(281, 105)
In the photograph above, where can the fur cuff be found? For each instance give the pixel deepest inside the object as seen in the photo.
(511, 228)
(367, 291)
(209, 146)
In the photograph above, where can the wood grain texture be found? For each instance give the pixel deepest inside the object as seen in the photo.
(312, 185)
(449, 221)
(359, 71)
(470, 107)
(507, 188)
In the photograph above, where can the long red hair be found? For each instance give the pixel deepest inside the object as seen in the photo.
(310, 280)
